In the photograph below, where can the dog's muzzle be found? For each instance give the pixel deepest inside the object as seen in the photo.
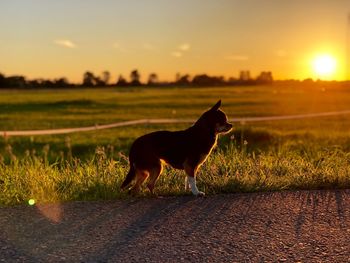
(224, 128)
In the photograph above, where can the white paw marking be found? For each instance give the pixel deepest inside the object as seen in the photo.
(194, 189)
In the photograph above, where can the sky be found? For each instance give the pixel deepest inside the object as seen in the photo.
(65, 38)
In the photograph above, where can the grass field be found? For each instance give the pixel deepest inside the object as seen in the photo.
(289, 154)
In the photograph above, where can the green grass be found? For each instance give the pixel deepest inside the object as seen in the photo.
(227, 170)
(264, 156)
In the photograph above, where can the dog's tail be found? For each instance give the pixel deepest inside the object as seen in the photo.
(129, 177)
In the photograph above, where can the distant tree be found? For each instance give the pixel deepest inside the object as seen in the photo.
(177, 77)
(135, 78)
(47, 83)
(98, 81)
(16, 81)
(61, 82)
(121, 82)
(89, 79)
(232, 81)
(244, 75)
(265, 77)
(205, 80)
(182, 80)
(106, 75)
(152, 79)
(34, 83)
(2, 81)
(308, 81)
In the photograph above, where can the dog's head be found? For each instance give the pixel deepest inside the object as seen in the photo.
(215, 119)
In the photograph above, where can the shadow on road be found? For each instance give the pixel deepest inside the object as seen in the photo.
(118, 230)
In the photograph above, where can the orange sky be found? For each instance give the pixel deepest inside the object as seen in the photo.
(51, 39)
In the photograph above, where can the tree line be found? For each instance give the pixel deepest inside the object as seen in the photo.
(103, 80)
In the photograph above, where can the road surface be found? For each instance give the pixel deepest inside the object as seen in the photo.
(292, 226)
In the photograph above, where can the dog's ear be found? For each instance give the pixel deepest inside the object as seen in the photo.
(216, 106)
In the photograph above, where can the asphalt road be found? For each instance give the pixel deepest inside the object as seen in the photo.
(297, 226)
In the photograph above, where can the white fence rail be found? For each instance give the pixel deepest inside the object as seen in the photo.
(167, 121)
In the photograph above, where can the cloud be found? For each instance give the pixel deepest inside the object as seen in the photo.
(65, 43)
(237, 57)
(179, 52)
(280, 53)
(184, 47)
(176, 54)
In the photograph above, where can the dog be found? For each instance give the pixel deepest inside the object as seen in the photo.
(187, 150)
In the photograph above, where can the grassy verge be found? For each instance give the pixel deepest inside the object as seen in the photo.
(233, 167)
(262, 156)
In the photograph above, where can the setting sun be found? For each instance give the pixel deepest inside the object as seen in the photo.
(324, 66)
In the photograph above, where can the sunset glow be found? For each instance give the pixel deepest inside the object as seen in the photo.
(53, 39)
(324, 66)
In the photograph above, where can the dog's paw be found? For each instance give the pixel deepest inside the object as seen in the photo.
(200, 194)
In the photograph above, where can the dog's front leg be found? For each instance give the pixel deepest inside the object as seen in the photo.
(191, 180)
(187, 185)
(194, 189)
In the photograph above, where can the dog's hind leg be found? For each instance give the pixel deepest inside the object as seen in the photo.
(141, 176)
(129, 177)
(154, 173)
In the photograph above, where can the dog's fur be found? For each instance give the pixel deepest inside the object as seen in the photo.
(186, 150)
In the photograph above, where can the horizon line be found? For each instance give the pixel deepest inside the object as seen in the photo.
(190, 77)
